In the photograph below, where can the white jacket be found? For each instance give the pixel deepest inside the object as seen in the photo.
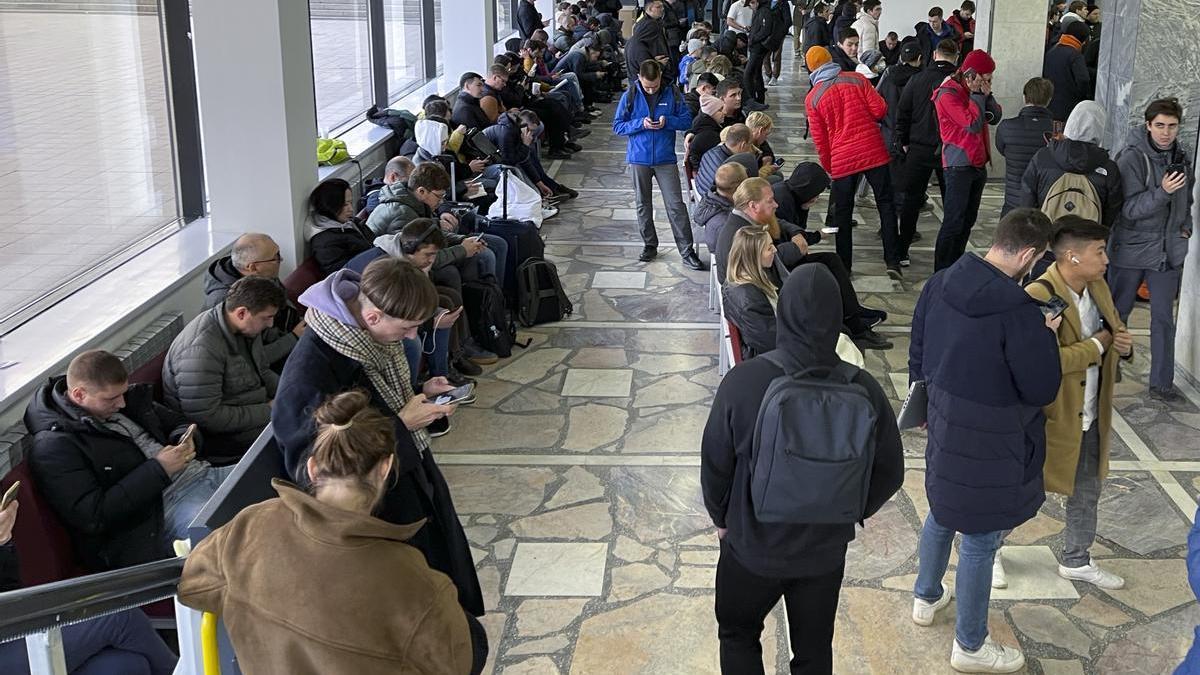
(867, 28)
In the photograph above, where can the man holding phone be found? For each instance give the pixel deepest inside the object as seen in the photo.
(649, 115)
(1091, 337)
(1150, 239)
(118, 469)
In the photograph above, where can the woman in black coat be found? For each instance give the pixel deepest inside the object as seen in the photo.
(333, 234)
(751, 290)
(317, 369)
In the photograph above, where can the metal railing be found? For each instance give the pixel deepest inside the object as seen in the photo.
(38, 614)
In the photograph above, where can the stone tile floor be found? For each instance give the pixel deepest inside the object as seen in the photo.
(576, 476)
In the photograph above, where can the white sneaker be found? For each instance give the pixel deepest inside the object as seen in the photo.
(549, 211)
(991, 658)
(924, 611)
(773, 81)
(1092, 574)
(829, 230)
(999, 578)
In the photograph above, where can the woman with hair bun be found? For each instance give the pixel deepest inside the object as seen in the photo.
(311, 582)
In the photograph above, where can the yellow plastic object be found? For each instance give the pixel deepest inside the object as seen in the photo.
(209, 650)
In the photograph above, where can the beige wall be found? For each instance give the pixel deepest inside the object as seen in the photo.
(1015, 36)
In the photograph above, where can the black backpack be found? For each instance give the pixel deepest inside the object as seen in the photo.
(540, 296)
(490, 323)
(814, 448)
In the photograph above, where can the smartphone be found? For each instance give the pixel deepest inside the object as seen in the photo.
(9, 495)
(1177, 167)
(187, 435)
(455, 395)
(1054, 307)
(779, 161)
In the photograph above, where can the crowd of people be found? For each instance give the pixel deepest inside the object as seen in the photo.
(353, 376)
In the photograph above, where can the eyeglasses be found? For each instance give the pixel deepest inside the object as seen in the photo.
(277, 259)
(440, 194)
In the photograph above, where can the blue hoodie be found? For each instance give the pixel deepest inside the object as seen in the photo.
(980, 343)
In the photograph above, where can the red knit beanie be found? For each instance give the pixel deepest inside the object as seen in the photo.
(979, 61)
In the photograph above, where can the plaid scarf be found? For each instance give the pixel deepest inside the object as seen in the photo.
(386, 365)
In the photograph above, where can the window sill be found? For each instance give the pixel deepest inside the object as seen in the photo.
(43, 345)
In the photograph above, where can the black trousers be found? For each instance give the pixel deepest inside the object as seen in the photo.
(743, 601)
(964, 190)
(919, 164)
(755, 87)
(842, 195)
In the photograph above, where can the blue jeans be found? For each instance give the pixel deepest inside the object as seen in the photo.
(117, 644)
(973, 583)
(182, 504)
(492, 260)
(1164, 290)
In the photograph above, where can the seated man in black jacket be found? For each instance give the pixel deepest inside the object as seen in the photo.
(110, 462)
(123, 642)
(760, 562)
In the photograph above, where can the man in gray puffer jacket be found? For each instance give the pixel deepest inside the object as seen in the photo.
(217, 374)
(1150, 240)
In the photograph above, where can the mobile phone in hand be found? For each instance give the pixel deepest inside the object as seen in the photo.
(9, 495)
(455, 395)
(187, 435)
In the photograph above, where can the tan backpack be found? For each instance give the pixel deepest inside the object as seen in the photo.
(1072, 194)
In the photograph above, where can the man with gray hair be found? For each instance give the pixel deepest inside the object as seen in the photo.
(257, 255)
(397, 170)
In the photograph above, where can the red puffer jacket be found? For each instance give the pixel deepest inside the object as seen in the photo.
(963, 119)
(844, 112)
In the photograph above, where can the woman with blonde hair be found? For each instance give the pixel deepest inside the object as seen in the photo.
(313, 582)
(751, 294)
(761, 126)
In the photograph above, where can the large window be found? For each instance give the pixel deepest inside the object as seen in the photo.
(402, 26)
(88, 169)
(341, 46)
(506, 18)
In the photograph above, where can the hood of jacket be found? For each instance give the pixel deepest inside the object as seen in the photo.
(713, 205)
(976, 288)
(431, 136)
(318, 223)
(390, 244)
(809, 318)
(331, 525)
(1087, 122)
(826, 72)
(1139, 139)
(334, 294)
(49, 408)
(808, 180)
(220, 276)
(397, 193)
(1078, 156)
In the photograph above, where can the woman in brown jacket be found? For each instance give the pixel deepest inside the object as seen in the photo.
(1079, 423)
(310, 584)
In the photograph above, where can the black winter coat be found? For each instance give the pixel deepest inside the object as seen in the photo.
(1089, 159)
(529, 19)
(1066, 68)
(747, 307)
(648, 41)
(468, 113)
(916, 121)
(843, 59)
(769, 28)
(334, 248)
(891, 85)
(990, 365)
(1019, 139)
(101, 485)
(816, 33)
(706, 135)
(807, 331)
(843, 20)
(316, 371)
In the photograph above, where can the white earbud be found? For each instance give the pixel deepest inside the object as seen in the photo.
(1075, 260)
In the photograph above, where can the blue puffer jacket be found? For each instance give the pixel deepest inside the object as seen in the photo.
(651, 147)
(989, 363)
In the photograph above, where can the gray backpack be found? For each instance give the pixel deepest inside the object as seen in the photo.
(814, 447)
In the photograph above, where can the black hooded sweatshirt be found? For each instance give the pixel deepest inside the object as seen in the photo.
(809, 320)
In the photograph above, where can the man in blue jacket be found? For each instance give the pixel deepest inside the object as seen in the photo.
(650, 113)
(989, 359)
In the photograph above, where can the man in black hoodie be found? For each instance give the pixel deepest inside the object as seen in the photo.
(760, 562)
(649, 41)
(918, 137)
(767, 33)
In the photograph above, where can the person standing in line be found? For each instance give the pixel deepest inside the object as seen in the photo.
(965, 107)
(934, 32)
(740, 16)
(650, 114)
(763, 561)
(1150, 240)
(917, 136)
(817, 32)
(962, 20)
(867, 25)
(1066, 68)
(990, 363)
(1079, 422)
(845, 52)
(844, 112)
(649, 41)
(773, 66)
(767, 33)
(1019, 138)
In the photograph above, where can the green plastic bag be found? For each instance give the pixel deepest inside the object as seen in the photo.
(331, 151)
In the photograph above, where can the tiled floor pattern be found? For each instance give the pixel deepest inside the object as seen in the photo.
(576, 476)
